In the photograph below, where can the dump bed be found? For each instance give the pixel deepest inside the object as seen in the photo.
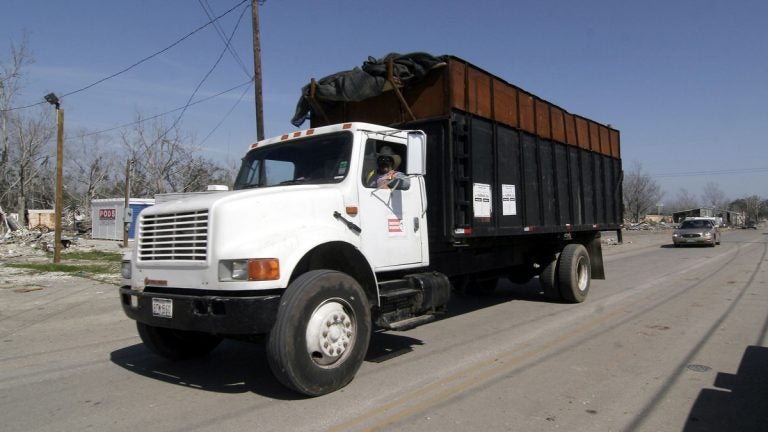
(501, 161)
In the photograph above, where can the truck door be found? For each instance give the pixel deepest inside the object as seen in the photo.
(393, 221)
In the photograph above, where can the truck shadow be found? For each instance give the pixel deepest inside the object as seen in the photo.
(239, 367)
(233, 367)
(740, 402)
(242, 367)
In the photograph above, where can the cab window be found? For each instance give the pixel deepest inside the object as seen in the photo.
(372, 149)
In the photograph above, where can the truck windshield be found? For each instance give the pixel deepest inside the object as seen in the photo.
(314, 160)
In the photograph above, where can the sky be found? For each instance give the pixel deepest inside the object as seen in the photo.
(685, 82)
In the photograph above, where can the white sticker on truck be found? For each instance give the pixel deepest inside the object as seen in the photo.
(482, 206)
(508, 200)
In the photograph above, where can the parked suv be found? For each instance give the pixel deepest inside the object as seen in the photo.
(696, 231)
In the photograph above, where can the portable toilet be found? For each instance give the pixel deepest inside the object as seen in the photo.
(107, 216)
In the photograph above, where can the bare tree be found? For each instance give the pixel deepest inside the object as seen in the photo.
(29, 163)
(166, 161)
(159, 154)
(90, 168)
(11, 74)
(198, 173)
(641, 192)
(25, 134)
(684, 201)
(752, 206)
(714, 197)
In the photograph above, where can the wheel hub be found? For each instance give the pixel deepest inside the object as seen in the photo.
(582, 274)
(330, 332)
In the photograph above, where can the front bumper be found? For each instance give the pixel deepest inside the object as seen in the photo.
(693, 240)
(215, 314)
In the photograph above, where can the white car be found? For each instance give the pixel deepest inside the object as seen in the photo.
(697, 231)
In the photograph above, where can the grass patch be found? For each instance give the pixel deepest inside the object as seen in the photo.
(93, 256)
(77, 269)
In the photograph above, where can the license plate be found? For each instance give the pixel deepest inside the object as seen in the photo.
(162, 308)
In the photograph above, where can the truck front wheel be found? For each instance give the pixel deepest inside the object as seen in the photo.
(321, 334)
(574, 273)
(176, 344)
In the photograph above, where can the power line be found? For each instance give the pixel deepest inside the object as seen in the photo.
(208, 12)
(242, 95)
(208, 74)
(138, 62)
(170, 111)
(716, 172)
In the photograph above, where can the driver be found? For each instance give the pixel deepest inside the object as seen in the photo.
(386, 175)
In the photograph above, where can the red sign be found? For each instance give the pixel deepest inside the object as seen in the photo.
(107, 214)
(395, 225)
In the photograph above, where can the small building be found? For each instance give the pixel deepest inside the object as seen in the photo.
(680, 216)
(107, 217)
(728, 218)
(732, 218)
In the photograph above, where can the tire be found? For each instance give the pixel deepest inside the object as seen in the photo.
(574, 273)
(321, 334)
(176, 344)
(548, 280)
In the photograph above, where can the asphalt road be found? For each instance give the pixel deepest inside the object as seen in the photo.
(673, 340)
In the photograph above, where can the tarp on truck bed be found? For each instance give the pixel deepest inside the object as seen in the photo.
(359, 84)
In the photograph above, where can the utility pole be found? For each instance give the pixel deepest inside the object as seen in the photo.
(126, 208)
(53, 100)
(257, 70)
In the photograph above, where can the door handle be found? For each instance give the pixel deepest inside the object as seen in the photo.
(415, 224)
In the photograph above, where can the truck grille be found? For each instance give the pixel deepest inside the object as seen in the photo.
(174, 237)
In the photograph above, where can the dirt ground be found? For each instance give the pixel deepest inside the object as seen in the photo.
(32, 247)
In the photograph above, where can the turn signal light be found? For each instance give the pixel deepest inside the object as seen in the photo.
(263, 269)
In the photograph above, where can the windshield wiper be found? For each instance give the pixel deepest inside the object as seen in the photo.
(292, 182)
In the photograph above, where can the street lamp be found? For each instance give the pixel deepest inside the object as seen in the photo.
(53, 100)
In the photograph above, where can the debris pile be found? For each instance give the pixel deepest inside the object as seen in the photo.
(32, 242)
(648, 226)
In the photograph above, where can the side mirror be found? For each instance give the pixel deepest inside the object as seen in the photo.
(417, 153)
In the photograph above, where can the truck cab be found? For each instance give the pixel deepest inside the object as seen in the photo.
(304, 210)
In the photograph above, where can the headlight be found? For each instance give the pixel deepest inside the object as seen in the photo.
(125, 269)
(707, 234)
(260, 269)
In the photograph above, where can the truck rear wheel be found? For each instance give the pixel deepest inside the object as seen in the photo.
(176, 344)
(574, 273)
(321, 334)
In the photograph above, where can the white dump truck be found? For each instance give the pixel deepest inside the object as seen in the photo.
(308, 250)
